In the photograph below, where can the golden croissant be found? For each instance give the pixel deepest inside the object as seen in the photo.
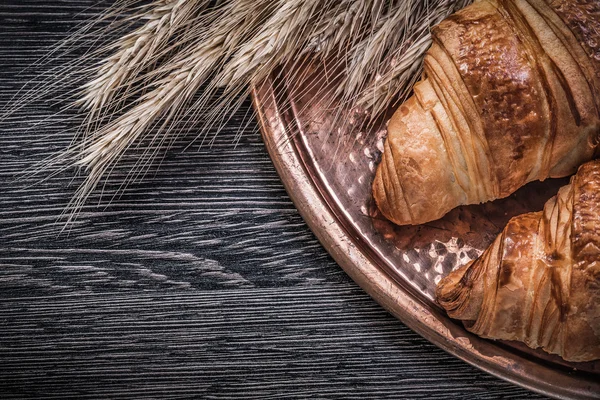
(510, 94)
(539, 281)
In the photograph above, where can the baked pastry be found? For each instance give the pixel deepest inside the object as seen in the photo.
(539, 281)
(510, 94)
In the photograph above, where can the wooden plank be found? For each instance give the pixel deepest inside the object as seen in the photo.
(320, 341)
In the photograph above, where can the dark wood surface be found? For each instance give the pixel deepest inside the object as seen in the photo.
(201, 280)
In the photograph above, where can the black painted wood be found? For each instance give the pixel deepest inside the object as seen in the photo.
(201, 280)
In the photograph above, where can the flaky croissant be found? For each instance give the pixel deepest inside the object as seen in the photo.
(511, 94)
(539, 281)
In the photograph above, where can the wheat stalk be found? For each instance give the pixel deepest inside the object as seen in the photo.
(181, 78)
(146, 80)
(136, 51)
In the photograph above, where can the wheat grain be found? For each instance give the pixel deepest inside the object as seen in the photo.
(278, 39)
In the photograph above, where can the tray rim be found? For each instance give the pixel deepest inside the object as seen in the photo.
(397, 300)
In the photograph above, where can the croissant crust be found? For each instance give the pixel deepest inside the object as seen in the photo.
(539, 281)
(510, 94)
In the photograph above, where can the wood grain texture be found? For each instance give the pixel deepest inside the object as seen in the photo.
(199, 281)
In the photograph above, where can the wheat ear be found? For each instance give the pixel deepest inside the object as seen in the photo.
(135, 51)
(146, 81)
(180, 79)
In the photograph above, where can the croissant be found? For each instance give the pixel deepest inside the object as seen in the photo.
(539, 281)
(510, 94)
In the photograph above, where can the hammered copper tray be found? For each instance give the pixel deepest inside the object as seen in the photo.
(328, 171)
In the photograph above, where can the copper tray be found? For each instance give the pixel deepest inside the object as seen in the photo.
(328, 171)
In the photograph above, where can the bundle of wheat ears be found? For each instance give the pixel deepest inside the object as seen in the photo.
(177, 59)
